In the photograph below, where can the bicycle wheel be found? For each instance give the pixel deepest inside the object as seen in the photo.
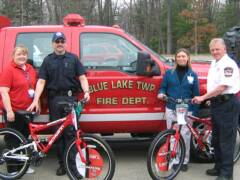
(237, 147)
(205, 156)
(198, 155)
(100, 159)
(161, 162)
(13, 165)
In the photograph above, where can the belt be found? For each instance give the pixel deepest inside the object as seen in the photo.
(222, 98)
(69, 93)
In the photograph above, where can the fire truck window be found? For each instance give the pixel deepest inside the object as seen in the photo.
(38, 44)
(107, 51)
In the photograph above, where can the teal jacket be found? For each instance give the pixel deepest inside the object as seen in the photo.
(187, 89)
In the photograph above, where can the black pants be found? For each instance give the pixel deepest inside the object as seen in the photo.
(57, 111)
(225, 121)
(22, 126)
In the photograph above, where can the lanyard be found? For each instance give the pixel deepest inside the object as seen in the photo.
(27, 77)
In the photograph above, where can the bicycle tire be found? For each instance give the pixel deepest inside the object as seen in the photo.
(198, 156)
(99, 155)
(152, 165)
(237, 147)
(18, 169)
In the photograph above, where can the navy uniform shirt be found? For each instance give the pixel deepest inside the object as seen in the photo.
(61, 72)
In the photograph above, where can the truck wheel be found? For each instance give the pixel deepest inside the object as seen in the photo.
(144, 135)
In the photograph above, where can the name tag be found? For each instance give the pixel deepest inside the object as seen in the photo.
(190, 79)
(31, 93)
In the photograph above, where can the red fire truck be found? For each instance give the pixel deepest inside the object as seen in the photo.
(123, 93)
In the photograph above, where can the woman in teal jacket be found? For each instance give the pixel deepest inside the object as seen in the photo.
(181, 82)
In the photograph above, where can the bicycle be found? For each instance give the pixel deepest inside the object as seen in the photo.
(167, 151)
(87, 156)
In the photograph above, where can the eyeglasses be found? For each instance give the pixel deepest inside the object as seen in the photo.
(60, 41)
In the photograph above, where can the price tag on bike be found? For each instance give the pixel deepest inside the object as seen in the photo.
(181, 111)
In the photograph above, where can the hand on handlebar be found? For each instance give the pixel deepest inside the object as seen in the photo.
(197, 100)
(86, 96)
(35, 106)
(161, 96)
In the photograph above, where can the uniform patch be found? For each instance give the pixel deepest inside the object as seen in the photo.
(228, 71)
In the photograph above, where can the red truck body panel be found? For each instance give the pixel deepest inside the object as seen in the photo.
(121, 100)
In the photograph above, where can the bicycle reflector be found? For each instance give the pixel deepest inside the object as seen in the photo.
(161, 160)
(96, 163)
(79, 109)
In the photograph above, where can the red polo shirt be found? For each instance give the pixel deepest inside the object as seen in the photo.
(19, 82)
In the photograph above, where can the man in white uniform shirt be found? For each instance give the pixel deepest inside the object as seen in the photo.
(223, 82)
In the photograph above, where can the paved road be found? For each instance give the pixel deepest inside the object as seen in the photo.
(130, 165)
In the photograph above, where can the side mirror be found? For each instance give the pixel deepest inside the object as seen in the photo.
(145, 64)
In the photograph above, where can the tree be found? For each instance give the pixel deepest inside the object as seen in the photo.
(164, 25)
(169, 26)
(195, 38)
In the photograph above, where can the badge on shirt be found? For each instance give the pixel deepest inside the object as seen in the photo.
(228, 71)
(190, 79)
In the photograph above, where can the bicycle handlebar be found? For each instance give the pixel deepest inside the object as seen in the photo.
(73, 104)
(176, 101)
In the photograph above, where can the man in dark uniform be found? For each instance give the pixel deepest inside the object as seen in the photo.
(63, 75)
(222, 85)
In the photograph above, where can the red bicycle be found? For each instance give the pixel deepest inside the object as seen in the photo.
(87, 156)
(167, 151)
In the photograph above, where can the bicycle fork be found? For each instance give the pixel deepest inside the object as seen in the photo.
(79, 144)
(175, 144)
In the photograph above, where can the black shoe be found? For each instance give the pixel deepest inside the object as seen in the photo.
(213, 172)
(184, 167)
(223, 178)
(61, 171)
(175, 166)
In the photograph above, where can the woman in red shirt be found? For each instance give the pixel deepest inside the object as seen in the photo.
(17, 84)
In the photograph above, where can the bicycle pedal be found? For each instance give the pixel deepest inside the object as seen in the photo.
(37, 162)
(37, 159)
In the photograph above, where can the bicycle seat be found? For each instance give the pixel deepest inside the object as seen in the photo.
(67, 106)
(29, 116)
(66, 103)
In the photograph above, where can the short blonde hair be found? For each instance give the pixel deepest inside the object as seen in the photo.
(217, 40)
(20, 47)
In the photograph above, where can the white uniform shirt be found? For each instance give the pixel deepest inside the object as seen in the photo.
(224, 72)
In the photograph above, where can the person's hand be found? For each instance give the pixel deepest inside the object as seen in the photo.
(34, 106)
(197, 99)
(10, 116)
(87, 96)
(161, 96)
(38, 109)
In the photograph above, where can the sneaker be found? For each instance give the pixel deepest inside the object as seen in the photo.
(175, 166)
(30, 171)
(213, 172)
(61, 171)
(184, 167)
